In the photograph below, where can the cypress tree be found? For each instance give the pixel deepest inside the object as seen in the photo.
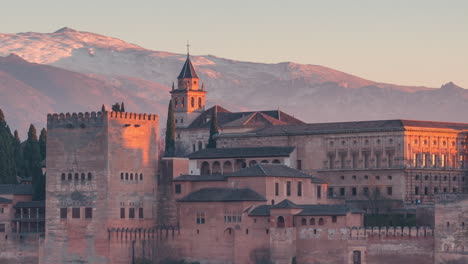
(18, 155)
(42, 143)
(170, 132)
(32, 162)
(103, 108)
(214, 130)
(7, 160)
(122, 107)
(116, 107)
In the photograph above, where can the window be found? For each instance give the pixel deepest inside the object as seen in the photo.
(426, 191)
(178, 188)
(2, 210)
(76, 212)
(2, 228)
(140, 212)
(321, 222)
(356, 257)
(77, 176)
(131, 213)
(299, 189)
(176, 101)
(416, 190)
(331, 161)
(199, 102)
(141, 176)
(70, 177)
(90, 176)
(288, 188)
(299, 164)
(126, 176)
(342, 191)
(200, 218)
(121, 176)
(330, 192)
(122, 213)
(131, 176)
(303, 221)
(83, 176)
(312, 221)
(389, 191)
(319, 191)
(354, 191)
(280, 222)
(276, 188)
(63, 213)
(88, 212)
(366, 191)
(63, 176)
(436, 190)
(192, 101)
(334, 219)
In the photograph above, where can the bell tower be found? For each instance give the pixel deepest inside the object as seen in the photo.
(189, 98)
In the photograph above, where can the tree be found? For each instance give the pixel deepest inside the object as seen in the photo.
(116, 107)
(214, 130)
(122, 107)
(18, 154)
(103, 108)
(32, 163)
(170, 132)
(42, 143)
(7, 160)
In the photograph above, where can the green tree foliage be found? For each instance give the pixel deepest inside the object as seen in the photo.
(170, 132)
(214, 130)
(32, 163)
(42, 143)
(116, 107)
(18, 153)
(7, 157)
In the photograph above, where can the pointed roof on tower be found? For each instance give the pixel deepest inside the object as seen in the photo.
(187, 71)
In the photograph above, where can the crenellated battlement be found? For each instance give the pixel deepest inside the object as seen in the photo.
(92, 119)
(355, 233)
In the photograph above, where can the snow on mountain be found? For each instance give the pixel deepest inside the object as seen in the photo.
(108, 69)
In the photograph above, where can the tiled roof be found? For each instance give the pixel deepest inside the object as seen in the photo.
(285, 204)
(272, 170)
(236, 119)
(19, 189)
(30, 204)
(352, 127)
(5, 200)
(213, 177)
(210, 153)
(187, 70)
(261, 210)
(323, 209)
(223, 195)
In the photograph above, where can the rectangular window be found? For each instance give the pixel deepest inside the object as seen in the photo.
(390, 159)
(334, 219)
(330, 192)
(366, 191)
(355, 160)
(343, 160)
(424, 160)
(122, 213)
(366, 159)
(76, 212)
(131, 213)
(299, 189)
(354, 191)
(342, 191)
(2, 228)
(356, 257)
(319, 191)
(288, 188)
(433, 160)
(63, 213)
(200, 218)
(2, 210)
(88, 212)
(426, 191)
(389, 191)
(331, 161)
(416, 190)
(178, 188)
(276, 188)
(299, 164)
(378, 159)
(140, 212)
(443, 161)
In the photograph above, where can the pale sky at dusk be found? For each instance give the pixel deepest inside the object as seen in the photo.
(410, 42)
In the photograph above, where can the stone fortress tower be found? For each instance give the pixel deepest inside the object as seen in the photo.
(101, 176)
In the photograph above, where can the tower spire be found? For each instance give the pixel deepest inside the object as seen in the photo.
(188, 49)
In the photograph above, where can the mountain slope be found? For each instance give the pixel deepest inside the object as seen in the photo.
(101, 69)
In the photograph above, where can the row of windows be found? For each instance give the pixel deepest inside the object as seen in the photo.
(366, 177)
(232, 217)
(427, 177)
(378, 161)
(366, 142)
(354, 191)
(427, 160)
(76, 213)
(427, 190)
(434, 142)
(130, 176)
(288, 189)
(77, 177)
(321, 221)
(131, 213)
(182, 102)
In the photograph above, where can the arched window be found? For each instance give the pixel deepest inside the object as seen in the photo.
(90, 176)
(200, 145)
(264, 162)
(216, 168)
(205, 168)
(240, 164)
(63, 176)
(182, 102)
(280, 222)
(276, 161)
(227, 167)
(192, 101)
(141, 176)
(77, 176)
(304, 221)
(126, 176)
(199, 102)
(312, 221)
(121, 175)
(70, 176)
(83, 176)
(252, 163)
(176, 102)
(320, 221)
(131, 176)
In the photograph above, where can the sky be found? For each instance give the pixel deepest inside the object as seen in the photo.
(408, 42)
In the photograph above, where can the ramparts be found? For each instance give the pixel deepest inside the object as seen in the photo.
(92, 119)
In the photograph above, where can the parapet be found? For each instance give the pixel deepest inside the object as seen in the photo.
(133, 116)
(158, 232)
(75, 120)
(364, 233)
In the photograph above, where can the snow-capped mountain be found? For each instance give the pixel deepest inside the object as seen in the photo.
(95, 69)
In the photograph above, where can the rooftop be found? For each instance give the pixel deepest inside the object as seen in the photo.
(187, 70)
(272, 170)
(213, 177)
(223, 195)
(30, 204)
(5, 201)
(307, 209)
(210, 153)
(18, 189)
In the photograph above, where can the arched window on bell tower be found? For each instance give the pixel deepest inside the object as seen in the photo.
(182, 102)
(192, 101)
(176, 102)
(199, 102)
